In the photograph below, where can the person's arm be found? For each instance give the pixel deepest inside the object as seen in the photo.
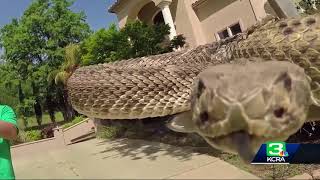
(8, 130)
(8, 124)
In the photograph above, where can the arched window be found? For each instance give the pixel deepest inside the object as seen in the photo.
(158, 18)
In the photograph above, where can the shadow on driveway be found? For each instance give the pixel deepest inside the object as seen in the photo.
(138, 149)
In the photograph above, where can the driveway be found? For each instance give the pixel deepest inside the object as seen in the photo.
(123, 159)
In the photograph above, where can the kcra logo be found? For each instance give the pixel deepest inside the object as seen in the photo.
(276, 152)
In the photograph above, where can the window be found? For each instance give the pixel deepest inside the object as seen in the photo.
(229, 31)
(223, 34)
(158, 19)
(235, 29)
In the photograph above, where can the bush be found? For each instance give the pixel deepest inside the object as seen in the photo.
(32, 135)
(73, 122)
(114, 130)
(27, 136)
(136, 39)
(48, 131)
(177, 42)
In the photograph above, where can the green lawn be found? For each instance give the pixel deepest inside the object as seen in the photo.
(45, 120)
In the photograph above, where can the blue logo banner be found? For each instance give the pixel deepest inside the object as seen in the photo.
(275, 153)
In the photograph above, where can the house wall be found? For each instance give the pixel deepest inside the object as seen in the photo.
(147, 13)
(217, 15)
(199, 24)
(129, 10)
(262, 8)
(184, 17)
(122, 18)
(185, 23)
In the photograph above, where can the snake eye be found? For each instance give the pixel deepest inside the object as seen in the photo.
(279, 112)
(286, 80)
(204, 117)
(201, 88)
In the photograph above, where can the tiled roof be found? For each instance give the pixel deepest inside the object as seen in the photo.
(197, 3)
(113, 6)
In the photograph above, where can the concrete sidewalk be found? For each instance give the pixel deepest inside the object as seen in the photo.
(124, 159)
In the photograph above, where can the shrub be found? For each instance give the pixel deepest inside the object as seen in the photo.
(109, 132)
(29, 136)
(48, 131)
(136, 39)
(33, 135)
(73, 122)
(177, 42)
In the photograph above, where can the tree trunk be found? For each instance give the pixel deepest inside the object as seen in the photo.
(21, 110)
(20, 93)
(70, 111)
(64, 106)
(51, 107)
(37, 105)
(38, 112)
(64, 114)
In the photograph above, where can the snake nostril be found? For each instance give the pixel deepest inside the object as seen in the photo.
(204, 117)
(279, 112)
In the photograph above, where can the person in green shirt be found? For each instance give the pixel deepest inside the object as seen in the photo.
(8, 131)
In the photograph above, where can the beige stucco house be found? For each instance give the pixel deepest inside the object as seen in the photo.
(201, 21)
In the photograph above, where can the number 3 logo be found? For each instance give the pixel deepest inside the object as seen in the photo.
(274, 148)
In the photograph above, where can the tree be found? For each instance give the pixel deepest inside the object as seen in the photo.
(136, 39)
(71, 63)
(177, 42)
(8, 87)
(105, 45)
(146, 40)
(34, 45)
(60, 77)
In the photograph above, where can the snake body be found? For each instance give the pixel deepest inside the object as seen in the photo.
(139, 88)
(234, 106)
(161, 85)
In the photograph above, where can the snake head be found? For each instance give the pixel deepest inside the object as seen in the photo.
(238, 107)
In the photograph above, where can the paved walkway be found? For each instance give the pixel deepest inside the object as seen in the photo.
(124, 159)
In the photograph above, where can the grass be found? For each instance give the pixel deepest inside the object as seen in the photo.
(73, 122)
(27, 136)
(33, 132)
(32, 121)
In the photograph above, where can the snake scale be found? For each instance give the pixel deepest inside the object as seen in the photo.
(163, 84)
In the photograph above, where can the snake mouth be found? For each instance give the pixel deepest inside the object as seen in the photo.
(239, 142)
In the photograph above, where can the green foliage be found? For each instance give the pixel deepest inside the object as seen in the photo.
(144, 39)
(136, 39)
(105, 45)
(177, 42)
(35, 46)
(32, 122)
(8, 94)
(72, 59)
(73, 122)
(32, 135)
(44, 47)
(45, 28)
(26, 107)
(110, 132)
(61, 78)
(29, 136)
